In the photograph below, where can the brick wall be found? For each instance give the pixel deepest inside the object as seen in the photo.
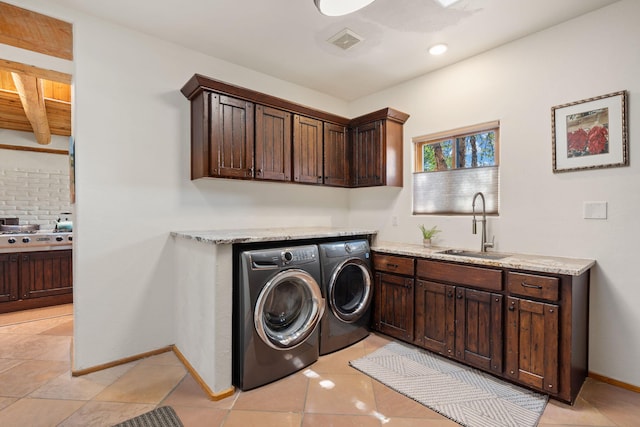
(36, 196)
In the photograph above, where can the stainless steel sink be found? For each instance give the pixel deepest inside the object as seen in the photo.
(474, 254)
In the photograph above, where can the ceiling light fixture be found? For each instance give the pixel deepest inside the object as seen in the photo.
(447, 3)
(340, 7)
(438, 49)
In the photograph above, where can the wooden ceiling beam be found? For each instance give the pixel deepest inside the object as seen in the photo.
(33, 31)
(32, 97)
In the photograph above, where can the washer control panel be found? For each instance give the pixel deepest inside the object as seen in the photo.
(299, 255)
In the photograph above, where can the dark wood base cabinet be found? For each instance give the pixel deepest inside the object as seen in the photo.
(529, 328)
(35, 279)
(393, 293)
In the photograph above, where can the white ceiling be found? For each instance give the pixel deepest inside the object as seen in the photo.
(287, 38)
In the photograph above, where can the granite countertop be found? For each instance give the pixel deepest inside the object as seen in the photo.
(545, 264)
(253, 235)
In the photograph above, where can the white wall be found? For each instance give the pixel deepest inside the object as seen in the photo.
(540, 212)
(34, 186)
(131, 127)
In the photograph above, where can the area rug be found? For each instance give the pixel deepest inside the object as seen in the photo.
(163, 416)
(465, 395)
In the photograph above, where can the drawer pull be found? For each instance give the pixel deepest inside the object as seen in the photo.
(392, 265)
(526, 285)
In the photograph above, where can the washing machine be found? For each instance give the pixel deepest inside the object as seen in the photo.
(347, 286)
(277, 310)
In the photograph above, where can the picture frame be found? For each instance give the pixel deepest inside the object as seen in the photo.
(590, 134)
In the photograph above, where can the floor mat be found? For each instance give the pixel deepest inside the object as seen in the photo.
(163, 416)
(465, 395)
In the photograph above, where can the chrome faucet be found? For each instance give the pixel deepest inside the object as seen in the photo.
(483, 244)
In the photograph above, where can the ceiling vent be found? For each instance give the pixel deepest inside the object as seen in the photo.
(346, 39)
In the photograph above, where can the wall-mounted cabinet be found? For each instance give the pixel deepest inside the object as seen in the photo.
(307, 150)
(336, 155)
(377, 148)
(273, 144)
(243, 134)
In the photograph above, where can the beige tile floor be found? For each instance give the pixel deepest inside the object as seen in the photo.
(37, 389)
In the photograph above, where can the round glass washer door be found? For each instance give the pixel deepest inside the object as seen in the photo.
(350, 290)
(288, 309)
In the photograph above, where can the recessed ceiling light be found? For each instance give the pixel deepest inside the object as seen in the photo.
(340, 7)
(447, 3)
(438, 49)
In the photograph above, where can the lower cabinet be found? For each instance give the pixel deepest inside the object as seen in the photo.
(532, 343)
(9, 277)
(479, 328)
(526, 327)
(457, 321)
(435, 313)
(393, 306)
(35, 279)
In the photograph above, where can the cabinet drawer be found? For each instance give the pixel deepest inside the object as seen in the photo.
(393, 264)
(530, 285)
(485, 278)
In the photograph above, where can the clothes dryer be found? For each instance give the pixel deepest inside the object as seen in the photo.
(277, 310)
(347, 286)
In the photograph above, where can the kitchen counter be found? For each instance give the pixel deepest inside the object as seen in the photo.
(255, 235)
(540, 263)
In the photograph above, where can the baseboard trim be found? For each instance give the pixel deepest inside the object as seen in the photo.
(212, 395)
(80, 372)
(616, 383)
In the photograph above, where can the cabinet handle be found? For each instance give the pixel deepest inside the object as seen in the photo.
(512, 308)
(460, 295)
(450, 294)
(526, 285)
(392, 265)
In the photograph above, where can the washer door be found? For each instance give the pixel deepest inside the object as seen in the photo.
(350, 291)
(288, 309)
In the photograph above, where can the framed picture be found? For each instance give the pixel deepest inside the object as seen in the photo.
(590, 134)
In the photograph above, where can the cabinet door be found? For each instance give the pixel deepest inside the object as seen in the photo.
(231, 137)
(45, 273)
(8, 277)
(273, 144)
(336, 155)
(393, 309)
(479, 328)
(368, 154)
(307, 150)
(532, 343)
(435, 317)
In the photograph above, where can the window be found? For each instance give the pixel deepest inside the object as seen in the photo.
(450, 167)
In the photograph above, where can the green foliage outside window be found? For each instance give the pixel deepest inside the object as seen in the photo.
(470, 151)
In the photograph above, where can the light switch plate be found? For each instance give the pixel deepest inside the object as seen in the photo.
(595, 210)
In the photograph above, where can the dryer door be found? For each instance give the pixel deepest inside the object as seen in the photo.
(350, 290)
(288, 309)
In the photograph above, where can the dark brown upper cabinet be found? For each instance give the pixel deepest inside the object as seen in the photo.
(231, 137)
(243, 134)
(377, 148)
(307, 150)
(336, 155)
(273, 144)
